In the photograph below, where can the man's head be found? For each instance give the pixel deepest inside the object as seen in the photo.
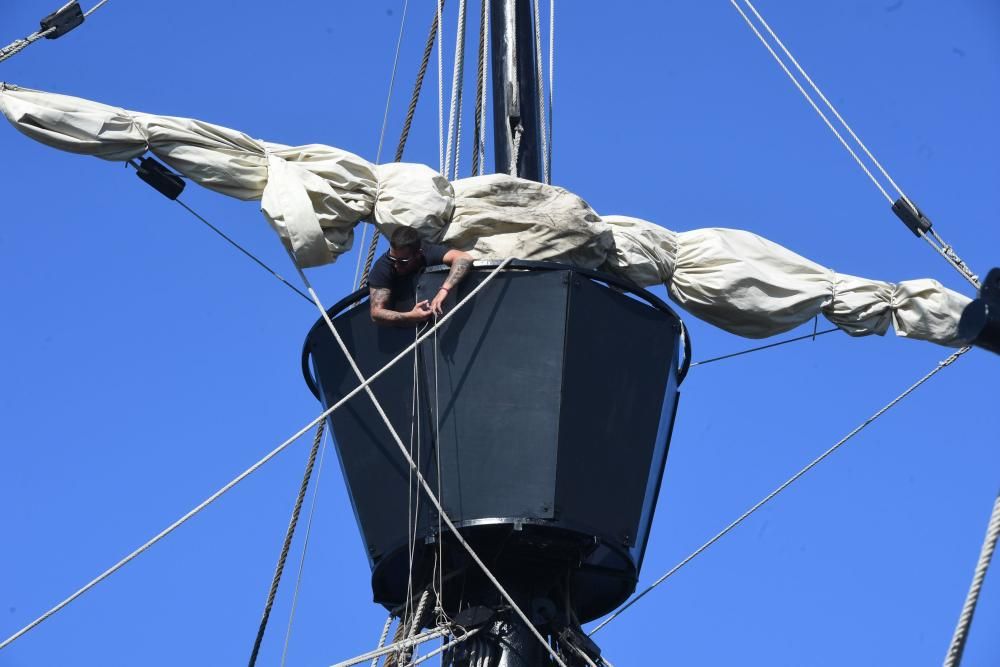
(404, 250)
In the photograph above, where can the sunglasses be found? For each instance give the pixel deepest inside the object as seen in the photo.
(404, 261)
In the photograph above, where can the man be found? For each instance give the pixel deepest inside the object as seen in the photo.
(393, 278)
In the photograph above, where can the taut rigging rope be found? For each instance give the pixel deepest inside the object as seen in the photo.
(933, 239)
(763, 347)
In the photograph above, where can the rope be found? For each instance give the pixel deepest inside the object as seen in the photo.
(441, 649)
(552, 76)
(954, 657)
(302, 558)
(812, 102)
(287, 544)
(540, 85)
(417, 86)
(764, 347)
(418, 617)
(382, 638)
(395, 646)
(256, 466)
(951, 257)
(440, 81)
(19, 45)
(457, 75)
(397, 637)
(404, 135)
(243, 250)
(437, 457)
(791, 480)
(95, 8)
(392, 81)
(479, 154)
(582, 654)
(823, 97)
(413, 466)
(381, 135)
(412, 492)
(515, 154)
(937, 243)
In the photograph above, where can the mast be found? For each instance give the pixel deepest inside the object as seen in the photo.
(516, 125)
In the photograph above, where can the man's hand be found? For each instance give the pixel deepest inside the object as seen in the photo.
(438, 302)
(383, 315)
(420, 313)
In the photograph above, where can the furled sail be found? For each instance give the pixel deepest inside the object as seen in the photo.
(315, 195)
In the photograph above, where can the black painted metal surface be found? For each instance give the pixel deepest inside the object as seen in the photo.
(555, 399)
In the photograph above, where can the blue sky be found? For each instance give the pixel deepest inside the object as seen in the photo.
(146, 363)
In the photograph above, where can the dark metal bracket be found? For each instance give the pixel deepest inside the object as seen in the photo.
(63, 20)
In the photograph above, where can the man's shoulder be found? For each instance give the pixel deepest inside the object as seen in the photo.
(380, 275)
(434, 253)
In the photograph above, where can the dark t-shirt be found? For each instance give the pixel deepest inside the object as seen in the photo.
(383, 273)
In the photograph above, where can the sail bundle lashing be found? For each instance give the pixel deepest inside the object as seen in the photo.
(315, 195)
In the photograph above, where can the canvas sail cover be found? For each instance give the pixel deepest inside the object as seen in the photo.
(314, 196)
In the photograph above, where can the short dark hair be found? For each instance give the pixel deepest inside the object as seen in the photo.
(404, 237)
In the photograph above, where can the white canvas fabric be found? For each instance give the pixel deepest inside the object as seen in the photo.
(315, 195)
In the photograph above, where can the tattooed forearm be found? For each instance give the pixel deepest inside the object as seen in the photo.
(459, 268)
(378, 300)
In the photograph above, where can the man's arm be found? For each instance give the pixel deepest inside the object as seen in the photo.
(460, 263)
(378, 306)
